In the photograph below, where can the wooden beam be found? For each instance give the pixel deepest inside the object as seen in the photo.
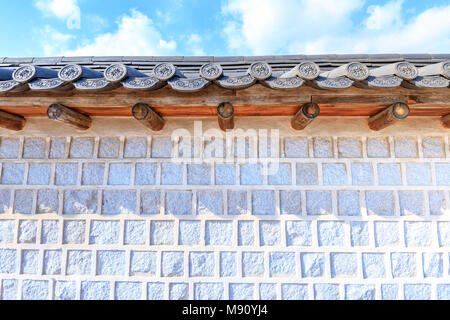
(147, 116)
(305, 116)
(11, 121)
(445, 120)
(61, 113)
(225, 116)
(397, 111)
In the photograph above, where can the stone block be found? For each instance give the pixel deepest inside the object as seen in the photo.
(30, 262)
(135, 232)
(126, 290)
(201, 264)
(79, 262)
(47, 201)
(52, 261)
(442, 174)
(389, 174)
(323, 147)
(119, 174)
(432, 264)
(405, 147)
(282, 264)
(359, 292)
(298, 233)
(411, 202)
(373, 265)
(209, 202)
(95, 290)
(269, 233)
(378, 148)
(228, 265)
(50, 232)
(150, 202)
(9, 148)
(251, 174)
(306, 174)
(104, 232)
(57, 148)
(433, 147)
(27, 231)
(224, 174)
(12, 173)
(119, 201)
(343, 264)
(5, 200)
(208, 291)
(7, 231)
(135, 147)
(290, 202)
(35, 290)
(172, 264)
(74, 231)
(418, 233)
(443, 291)
(39, 174)
(418, 174)
(178, 291)
(413, 291)
(349, 148)
(362, 173)
(145, 173)
(171, 173)
(252, 264)
(110, 262)
(436, 200)
(81, 148)
(359, 233)
(246, 233)
(80, 201)
(296, 147)
(143, 263)
(293, 291)
(178, 202)
(326, 291)
(198, 174)
(318, 202)
(155, 291)
(380, 203)
(65, 290)
(389, 291)
(241, 291)
(92, 174)
(444, 234)
(403, 264)
(334, 173)
(162, 232)
(348, 203)
(267, 291)
(331, 233)
(23, 201)
(279, 173)
(386, 233)
(66, 174)
(237, 202)
(34, 148)
(161, 147)
(219, 232)
(263, 202)
(189, 232)
(7, 260)
(109, 147)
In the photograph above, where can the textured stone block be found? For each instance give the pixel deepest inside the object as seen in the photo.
(65, 290)
(323, 147)
(135, 232)
(109, 147)
(5, 200)
(95, 290)
(380, 203)
(403, 264)
(7, 261)
(331, 233)
(306, 174)
(263, 202)
(432, 264)
(12, 173)
(189, 232)
(237, 202)
(389, 291)
(362, 173)
(178, 202)
(39, 174)
(436, 201)
(27, 231)
(252, 264)
(245, 147)
(47, 201)
(171, 173)
(349, 148)
(104, 232)
(241, 291)
(326, 291)
(418, 174)
(359, 233)
(161, 147)
(178, 291)
(161, 232)
(296, 147)
(251, 174)
(9, 289)
(269, 233)
(198, 174)
(93, 173)
(294, 291)
(219, 232)
(150, 202)
(80, 201)
(359, 292)
(172, 264)
(418, 234)
(389, 174)
(34, 148)
(143, 263)
(348, 203)
(279, 173)
(267, 291)
(334, 173)
(119, 174)
(282, 263)
(298, 233)
(201, 264)
(373, 265)
(155, 291)
(444, 233)
(119, 201)
(79, 262)
(411, 202)
(29, 262)
(74, 231)
(208, 291)
(9, 148)
(209, 202)
(343, 264)
(81, 148)
(34, 290)
(213, 147)
(7, 231)
(23, 201)
(318, 202)
(57, 148)
(110, 262)
(228, 265)
(135, 147)
(443, 291)
(245, 233)
(128, 290)
(290, 202)
(413, 291)
(66, 174)
(313, 264)
(386, 233)
(145, 173)
(50, 231)
(433, 147)
(442, 173)
(52, 261)
(405, 147)
(224, 174)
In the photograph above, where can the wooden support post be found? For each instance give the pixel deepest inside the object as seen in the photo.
(445, 120)
(225, 116)
(68, 116)
(389, 116)
(12, 121)
(149, 118)
(305, 115)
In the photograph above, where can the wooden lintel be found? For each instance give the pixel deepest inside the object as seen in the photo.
(445, 120)
(147, 116)
(225, 116)
(305, 115)
(11, 121)
(397, 111)
(61, 113)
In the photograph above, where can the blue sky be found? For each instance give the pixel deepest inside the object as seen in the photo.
(223, 27)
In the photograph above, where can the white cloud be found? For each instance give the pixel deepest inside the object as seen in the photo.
(52, 40)
(327, 26)
(193, 43)
(136, 35)
(63, 9)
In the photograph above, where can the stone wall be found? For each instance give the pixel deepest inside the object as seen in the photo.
(108, 214)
